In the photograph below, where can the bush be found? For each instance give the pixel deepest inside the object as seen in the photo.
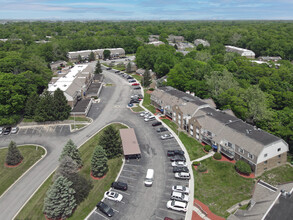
(217, 156)
(196, 163)
(202, 168)
(151, 89)
(207, 148)
(243, 167)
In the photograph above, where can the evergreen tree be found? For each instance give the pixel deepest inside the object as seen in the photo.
(13, 156)
(128, 68)
(45, 109)
(61, 108)
(71, 150)
(60, 201)
(67, 168)
(99, 162)
(111, 142)
(106, 54)
(92, 56)
(79, 59)
(31, 105)
(98, 69)
(146, 80)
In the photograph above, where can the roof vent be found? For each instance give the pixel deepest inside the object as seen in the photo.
(64, 85)
(230, 121)
(209, 113)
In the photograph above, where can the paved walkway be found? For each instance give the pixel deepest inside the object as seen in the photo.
(210, 154)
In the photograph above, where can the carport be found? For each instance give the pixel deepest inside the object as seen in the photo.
(129, 144)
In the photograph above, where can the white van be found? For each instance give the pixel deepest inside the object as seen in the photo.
(149, 178)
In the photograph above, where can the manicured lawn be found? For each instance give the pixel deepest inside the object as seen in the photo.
(278, 175)
(171, 125)
(221, 187)
(137, 109)
(78, 119)
(33, 209)
(147, 102)
(31, 155)
(137, 77)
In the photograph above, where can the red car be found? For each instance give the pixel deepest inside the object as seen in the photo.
(135, 84)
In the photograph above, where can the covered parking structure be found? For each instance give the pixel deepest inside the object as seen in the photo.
(130, 145)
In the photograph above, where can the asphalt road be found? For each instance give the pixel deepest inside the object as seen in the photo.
(142, 202)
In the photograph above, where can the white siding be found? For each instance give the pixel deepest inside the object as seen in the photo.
(272, 151)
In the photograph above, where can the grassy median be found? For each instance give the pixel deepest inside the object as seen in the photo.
(33, 209)
(9, 175)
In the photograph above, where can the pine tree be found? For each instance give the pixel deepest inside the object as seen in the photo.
(128, 67)
(79, 59)
(92, 56)
(60, 201)
(99, 162)
(13, 156)
(31, 105)
(61, 107)
(71, 150)
(45, 108)
(146, 80)
(111, 142)
(98, 69)
(67, 168)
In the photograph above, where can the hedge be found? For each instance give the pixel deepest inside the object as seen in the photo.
(202, 168)
(243, 167)
(217, 156)
(196, 163)
(207, 147)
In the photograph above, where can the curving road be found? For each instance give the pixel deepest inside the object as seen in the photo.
(112, 108)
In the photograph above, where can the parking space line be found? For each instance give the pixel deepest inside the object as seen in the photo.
(159, 217)
(169, 210)
(122, 202)
(165, 201)
(123, 192)
(130, 171)
(128, 177)
(100, 214)
(131, 185)
(115, 210)
(132, 165)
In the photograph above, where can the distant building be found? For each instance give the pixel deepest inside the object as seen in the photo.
(153, 38)
(201, 41)
(175, 39)
(99, 53)
(156, 43)
(243, 52)
(184, 46)
(55, 65)
(274, 59)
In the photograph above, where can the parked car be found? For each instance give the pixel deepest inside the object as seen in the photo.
(157, 123)
(180, 169)
(130, 105)
(178, 158)
(1, 130)
(136, 87)
(179, 164)
(179, 196)
(182, 175)
(134, 101)
(147, 115)
(108, 68)
(103, 207)
(167, 218)
(150, 118)
(113, 196)
(131, 80)
(142, 114)
(177, 206)
(129, 77)
(162, 129)
(117, 71)
(139, 96)
(14, 130)
(135, 84)
(166, 136)
(174, 152)
(182, 189)
(7, 130)
(119, 185)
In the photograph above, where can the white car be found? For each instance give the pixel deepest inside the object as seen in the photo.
(14, 130)
(143, 114)
(179, 196)
(182, 189)
(150, 118)
(166, 136)
(113, 196)
(179, 164)
(177, 206)
(146, 115)
(1, 130)
(182, 176)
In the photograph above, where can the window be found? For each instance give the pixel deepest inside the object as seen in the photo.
(265, 162)
(279, 149)
(229, 144)
(279, 156)
(241, 150)
(250, 156)
(265, 155)
(265, 168)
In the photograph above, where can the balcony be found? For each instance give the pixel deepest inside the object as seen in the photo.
(207, 140)
(228, 152)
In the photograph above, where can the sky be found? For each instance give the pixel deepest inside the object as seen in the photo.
(147, 9)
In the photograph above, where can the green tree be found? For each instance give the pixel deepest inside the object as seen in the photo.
(45, 109)
(13, 156)
(71, 150)
(67, 168)
(60, 105)
(60, 202)
(106, 54)
(98, 69)
(79, 59)
(111, 142)
(31, 105)
(146, 80)
(128, 68)
(92, 57)
(243, 167)
(99, 166)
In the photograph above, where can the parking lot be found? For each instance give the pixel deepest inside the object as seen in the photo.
(137, 199)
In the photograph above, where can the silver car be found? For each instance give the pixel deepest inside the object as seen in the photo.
(166, 136)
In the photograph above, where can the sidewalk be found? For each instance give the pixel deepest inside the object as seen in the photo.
(210, 154)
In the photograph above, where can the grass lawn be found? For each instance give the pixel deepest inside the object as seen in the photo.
(79, 119)
(147, 102)
(137, 77)
(137, 109)
(10, 175)
(171, 125)
(33, 209)
(77, 126)
(278, 175)
(221, 187)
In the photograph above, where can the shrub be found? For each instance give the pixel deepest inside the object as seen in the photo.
(243, 167)
(217, 156)
(202, 168)
(151, 89)
(196, 163)
(207, 148)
